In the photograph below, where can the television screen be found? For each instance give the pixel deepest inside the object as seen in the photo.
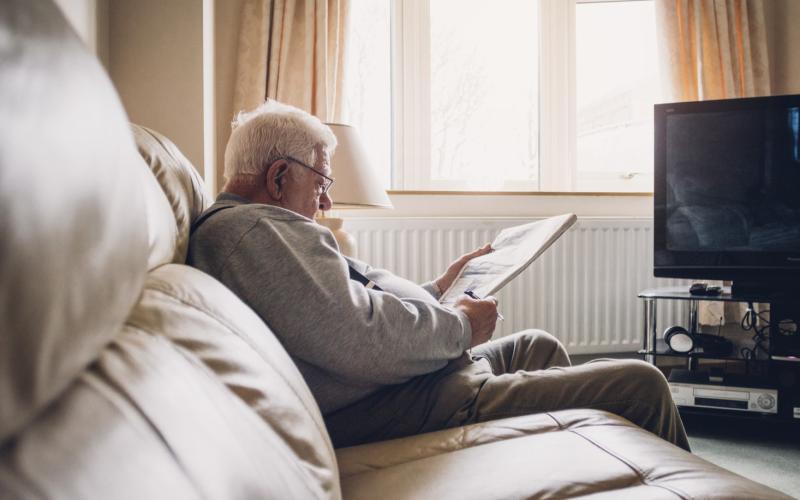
(727, 193)
(733, 179)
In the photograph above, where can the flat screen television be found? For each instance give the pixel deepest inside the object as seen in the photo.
(727, 192)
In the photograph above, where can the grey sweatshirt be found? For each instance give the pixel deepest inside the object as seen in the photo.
(348, 341)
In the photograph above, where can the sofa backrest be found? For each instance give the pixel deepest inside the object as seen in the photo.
(182, 188)
(123, 373)
(61, 125)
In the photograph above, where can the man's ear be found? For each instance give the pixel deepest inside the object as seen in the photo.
(275, 178)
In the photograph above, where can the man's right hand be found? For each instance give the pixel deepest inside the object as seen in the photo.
(482, 316)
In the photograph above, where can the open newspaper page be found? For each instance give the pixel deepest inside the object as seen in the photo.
(514, 249)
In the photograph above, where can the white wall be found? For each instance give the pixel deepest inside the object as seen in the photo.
(153, 51)
(783, 18)
(227, 15)
(155, 59)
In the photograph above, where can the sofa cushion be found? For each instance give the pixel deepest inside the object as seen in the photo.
(163, 235)
(71, 210)
(201, 316)
(183, 189)
(92, 442)
(151, 420)
(572, 453)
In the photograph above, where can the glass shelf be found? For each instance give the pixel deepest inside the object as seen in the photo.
(662, 350)
(682, 293)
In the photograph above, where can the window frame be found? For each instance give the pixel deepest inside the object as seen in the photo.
(411, 106)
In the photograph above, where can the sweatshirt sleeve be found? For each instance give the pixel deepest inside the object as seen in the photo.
(381, 276)
(432, 288)
(303, 292)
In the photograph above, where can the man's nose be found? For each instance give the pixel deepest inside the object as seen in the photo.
(325, 202)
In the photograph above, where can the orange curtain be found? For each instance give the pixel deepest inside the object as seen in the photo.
(713, 49)
(292, 51)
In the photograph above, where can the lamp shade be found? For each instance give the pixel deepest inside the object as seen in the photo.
(356, 185)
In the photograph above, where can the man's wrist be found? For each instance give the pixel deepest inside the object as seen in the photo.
(432, 288)
(466, 327)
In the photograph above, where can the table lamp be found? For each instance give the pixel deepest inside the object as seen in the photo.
(356, 186)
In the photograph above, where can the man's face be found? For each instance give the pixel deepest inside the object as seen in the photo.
(302, 193)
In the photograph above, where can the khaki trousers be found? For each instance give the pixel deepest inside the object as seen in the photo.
(528, 372)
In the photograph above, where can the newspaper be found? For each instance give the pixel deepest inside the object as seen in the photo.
(514, 250)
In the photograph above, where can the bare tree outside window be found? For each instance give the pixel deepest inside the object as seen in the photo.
(452, 104)
(484, 93)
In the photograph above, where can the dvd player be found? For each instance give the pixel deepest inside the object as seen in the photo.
(693, 389)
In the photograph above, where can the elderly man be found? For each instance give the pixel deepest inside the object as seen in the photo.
(382, 357)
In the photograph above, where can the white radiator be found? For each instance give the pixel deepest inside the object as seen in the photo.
(583, 289)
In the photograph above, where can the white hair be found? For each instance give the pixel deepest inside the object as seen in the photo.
(270, 132)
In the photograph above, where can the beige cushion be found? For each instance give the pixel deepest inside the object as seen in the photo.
(71, 210)
(200, 315)
(152, 421)
(167, 411)
(91, 443)
(183, 189)
(163, 236)
(573, 453)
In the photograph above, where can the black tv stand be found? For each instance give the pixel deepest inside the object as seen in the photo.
(766, 291)
(772, 363)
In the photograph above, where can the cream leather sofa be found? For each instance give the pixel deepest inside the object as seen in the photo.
(126, 374)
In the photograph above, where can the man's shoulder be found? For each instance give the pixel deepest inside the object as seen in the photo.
(232, 217)
(231, 223)
(230, 206)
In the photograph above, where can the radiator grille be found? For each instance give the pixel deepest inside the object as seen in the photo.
(583, 289)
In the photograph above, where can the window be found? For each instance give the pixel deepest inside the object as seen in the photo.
(367, 97)
(517, 95)
(617, 85)
(484, 96)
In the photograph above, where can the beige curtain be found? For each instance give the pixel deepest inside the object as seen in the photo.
(292, 51)
(713, 49)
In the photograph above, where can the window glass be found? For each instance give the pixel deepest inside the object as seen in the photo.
(617, 85)
(484, 94)
(478, 65)
(367, 89)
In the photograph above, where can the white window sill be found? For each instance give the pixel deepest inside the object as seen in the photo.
(534, 204)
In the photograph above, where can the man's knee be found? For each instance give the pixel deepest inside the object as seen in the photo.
(539, 337)
(647, 376)
(542, 342)
(645, 370)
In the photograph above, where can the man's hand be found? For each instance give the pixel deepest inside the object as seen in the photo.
(482, 316)
(444, 281)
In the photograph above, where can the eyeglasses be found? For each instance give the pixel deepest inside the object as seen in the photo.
(327, 182)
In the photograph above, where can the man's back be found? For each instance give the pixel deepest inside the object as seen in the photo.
(346, 340)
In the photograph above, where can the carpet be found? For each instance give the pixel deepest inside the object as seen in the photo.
(758, 448)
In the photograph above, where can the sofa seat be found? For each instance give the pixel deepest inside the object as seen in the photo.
(565, 454)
